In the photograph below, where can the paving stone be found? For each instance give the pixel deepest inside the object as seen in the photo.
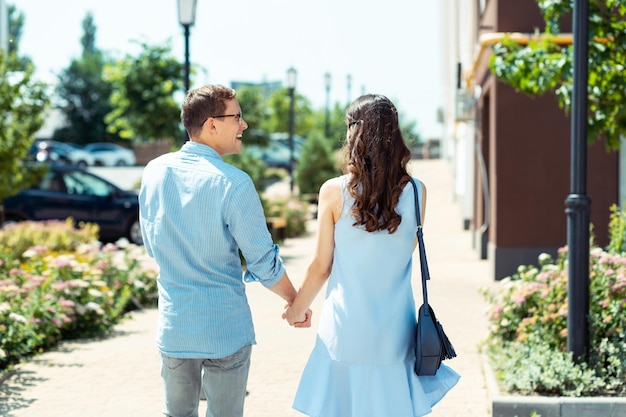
(119, 375)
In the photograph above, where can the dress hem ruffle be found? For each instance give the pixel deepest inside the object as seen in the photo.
(330, 388)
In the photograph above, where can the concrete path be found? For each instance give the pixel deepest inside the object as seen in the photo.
(119, 375)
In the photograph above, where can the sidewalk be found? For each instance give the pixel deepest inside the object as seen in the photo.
(119, 375)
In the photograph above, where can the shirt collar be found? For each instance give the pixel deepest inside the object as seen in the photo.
(201, 149)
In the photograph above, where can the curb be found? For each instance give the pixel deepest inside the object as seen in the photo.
(525, 406)
(558, 406)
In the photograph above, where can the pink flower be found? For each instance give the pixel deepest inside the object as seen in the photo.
(64, 302)
(519, 299)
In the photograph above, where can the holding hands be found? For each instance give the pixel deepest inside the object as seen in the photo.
(296, 319)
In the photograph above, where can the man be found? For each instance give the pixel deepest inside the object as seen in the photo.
(196, 213)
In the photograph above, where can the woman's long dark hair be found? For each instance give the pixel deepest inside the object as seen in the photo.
(377, 160)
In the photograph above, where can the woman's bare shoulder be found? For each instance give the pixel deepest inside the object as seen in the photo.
(331, 186)
(331, 197)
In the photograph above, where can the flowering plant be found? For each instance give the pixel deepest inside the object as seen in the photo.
(527, 341)
(76, 290)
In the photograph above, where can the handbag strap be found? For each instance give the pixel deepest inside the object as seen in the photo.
(420, 241)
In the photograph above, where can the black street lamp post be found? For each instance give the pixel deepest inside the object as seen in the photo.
(187, 17)
(327, 80)
(291, 84)
(578, 203)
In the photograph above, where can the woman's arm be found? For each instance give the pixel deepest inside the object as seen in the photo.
(329, 210)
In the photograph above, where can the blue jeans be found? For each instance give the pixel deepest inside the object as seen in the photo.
(223, 381)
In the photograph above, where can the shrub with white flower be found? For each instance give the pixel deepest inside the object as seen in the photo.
(59, 283)
(527, 341)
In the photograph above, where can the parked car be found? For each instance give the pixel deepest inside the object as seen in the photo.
(277, 153)
(60, 153)
(67, 191)
(110, 154)
(274, 155)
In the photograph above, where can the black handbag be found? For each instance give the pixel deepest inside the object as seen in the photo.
(431, 344)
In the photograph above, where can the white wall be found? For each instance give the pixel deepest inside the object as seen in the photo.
(459, 41)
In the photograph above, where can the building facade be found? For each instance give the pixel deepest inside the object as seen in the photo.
(511, 152)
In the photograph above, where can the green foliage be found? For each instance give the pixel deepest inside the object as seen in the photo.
(16, 24)
(22, 102)
(253, 105)
(143, 94)
(316, 164)
(617, 230)
(337, 127)
(337, 124)
(55, 235)
(539, 369)
(410, 133)
(259, 173)
(293, 211)
(544, 66)
(84, 93)
(296, 212)
(278, 109)
(78, 290)
(528, 327)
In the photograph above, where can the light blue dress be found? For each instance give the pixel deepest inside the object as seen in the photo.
(362, 362)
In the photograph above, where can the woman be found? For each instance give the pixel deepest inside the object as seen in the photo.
(362, 362)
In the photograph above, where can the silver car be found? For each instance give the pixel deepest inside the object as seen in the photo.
(110, 154)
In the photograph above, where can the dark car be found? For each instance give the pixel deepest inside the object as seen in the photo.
(278, 152)
(67, 191)
(55, 152)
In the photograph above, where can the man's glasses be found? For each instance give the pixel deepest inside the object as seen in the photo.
(237, 117)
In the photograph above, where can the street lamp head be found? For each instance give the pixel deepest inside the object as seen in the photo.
(291, 77)
(327, 80)
(187, 12)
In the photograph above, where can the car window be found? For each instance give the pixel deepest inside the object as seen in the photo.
(52, 182)
(82, 183)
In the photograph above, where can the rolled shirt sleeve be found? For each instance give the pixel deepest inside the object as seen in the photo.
(246, 221)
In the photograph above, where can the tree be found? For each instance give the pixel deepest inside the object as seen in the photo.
(143, 95)
(255, 111)
(544, 65)
(410, 133)
(16, 24)
(316, 165)
(278, 117)
(84, 93)
(338, 127)
(22, 102)
(337, 124)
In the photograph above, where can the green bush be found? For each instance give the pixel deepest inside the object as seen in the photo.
(261, 175)
(316, 165)
(78, 289)
(527, 341)
(54, 234)
(296, 212)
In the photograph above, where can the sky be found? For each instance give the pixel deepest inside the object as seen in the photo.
(390, 47)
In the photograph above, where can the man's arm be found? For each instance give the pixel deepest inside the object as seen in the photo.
(285, 289)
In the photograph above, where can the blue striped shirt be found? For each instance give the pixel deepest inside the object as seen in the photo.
(196, 211)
